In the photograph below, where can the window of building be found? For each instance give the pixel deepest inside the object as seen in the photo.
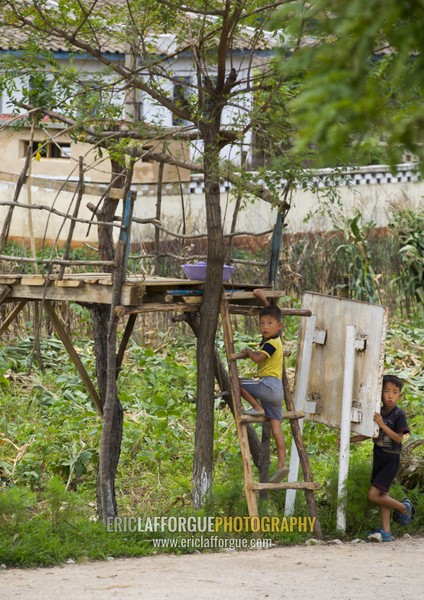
(43, 149)
(143, 158)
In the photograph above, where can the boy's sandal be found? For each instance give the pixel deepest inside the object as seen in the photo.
(253, 413)
(279, 475)
(380, 536)
(405, 519)
(375, 536)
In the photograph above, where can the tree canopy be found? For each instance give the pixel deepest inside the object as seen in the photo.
(202, 64)
(360, 70)
(194, 62)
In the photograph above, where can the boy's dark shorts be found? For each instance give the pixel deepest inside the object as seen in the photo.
(384, 468)
(269, 392)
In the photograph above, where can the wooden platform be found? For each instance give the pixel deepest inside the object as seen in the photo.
(138, 293)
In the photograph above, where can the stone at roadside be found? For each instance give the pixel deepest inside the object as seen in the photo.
(313, 542)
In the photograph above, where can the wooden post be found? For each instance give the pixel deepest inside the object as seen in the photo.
(349, 365)
(61, 332)
(125, 235)
(4, 292)
(73, 222)
(10, 318)
(264, 457)
(124, 342)
(113, 414)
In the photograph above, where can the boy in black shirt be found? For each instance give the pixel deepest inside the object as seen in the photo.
(386, 457)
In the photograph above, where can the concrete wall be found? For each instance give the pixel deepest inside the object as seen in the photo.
(374, 192)
(13, 144)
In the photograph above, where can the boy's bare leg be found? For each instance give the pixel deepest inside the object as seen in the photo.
(279, 442)
(251, 400)
(385, 518)
(384, 500)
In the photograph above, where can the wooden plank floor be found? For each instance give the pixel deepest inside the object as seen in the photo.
(97, 288)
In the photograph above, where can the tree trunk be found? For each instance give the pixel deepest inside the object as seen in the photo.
(104, 332)
(209, 311)
(223, 379)
(110, 447)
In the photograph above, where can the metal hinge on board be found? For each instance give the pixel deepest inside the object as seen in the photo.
(320, 336)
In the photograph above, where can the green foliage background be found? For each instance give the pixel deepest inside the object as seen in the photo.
(358, 65)
(47, 502)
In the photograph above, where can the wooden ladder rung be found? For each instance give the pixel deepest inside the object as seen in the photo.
(288, 485)
(290, 414)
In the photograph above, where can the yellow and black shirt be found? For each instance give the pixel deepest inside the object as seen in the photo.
(272, 366)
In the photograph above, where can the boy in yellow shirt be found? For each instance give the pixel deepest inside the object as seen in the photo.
(265, 394)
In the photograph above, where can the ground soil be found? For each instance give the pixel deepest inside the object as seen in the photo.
(323, 572)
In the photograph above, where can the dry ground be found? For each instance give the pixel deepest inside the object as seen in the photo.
(324, 572)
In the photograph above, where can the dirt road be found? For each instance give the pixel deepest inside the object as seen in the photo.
(340, 572)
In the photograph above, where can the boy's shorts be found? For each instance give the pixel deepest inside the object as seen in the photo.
(269, 391)
(384, 468)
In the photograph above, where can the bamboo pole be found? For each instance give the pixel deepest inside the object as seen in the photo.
(57, 261)
(59, 213)
(63, 186)
(67, 248)
(20, 180)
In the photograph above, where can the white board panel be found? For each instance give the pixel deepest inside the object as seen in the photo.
(323, 401)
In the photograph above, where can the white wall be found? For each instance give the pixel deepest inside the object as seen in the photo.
(374, 200)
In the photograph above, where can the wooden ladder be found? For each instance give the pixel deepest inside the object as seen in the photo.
(250, 486)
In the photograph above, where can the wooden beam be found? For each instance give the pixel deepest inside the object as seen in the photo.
(12, 316)
(4, 292)
(292, 414)
(65, 186)
(245, 295)
(288, 485)
(61, 332)
(89, 294)
(57, 261)
(254, 310)
(121, 311)
(124, 342)
(99, 292)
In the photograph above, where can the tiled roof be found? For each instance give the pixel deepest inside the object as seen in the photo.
(13, 37)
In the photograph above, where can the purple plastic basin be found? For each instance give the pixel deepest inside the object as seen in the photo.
(198, 271)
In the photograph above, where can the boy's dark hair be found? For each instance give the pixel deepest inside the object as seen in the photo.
(272, 310)
(397, 381)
